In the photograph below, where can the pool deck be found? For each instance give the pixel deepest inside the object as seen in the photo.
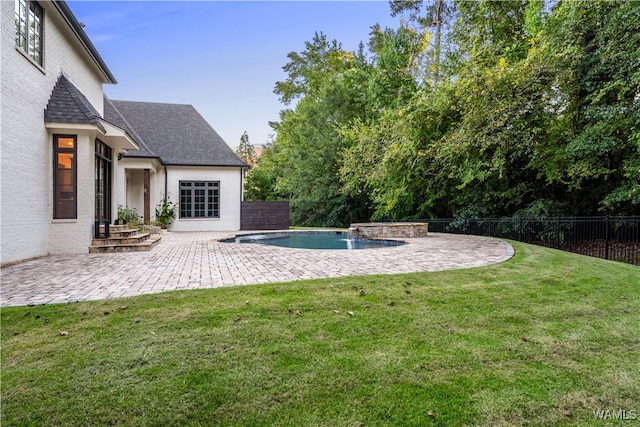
(198, 261)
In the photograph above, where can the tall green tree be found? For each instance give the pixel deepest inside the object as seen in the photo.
(433, 18)
(309, 152)
(396, 54)
(307, 71)
(386, 155)
(330, 85)
(393, 160)
(260, 181)
(246, 151)
(594, 47)
(533, 110)
(498, 89)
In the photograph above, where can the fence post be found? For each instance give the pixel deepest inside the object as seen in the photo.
(520, 229)
(606, 238)
(557, 242)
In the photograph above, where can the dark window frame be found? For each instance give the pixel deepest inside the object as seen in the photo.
(61, 204)
(29, 27)
(199, 199)
(103, 182)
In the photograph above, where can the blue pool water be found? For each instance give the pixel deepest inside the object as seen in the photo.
(313, 240)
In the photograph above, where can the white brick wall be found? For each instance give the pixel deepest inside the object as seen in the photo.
(26, 226)
(230, 188)
(74, 236)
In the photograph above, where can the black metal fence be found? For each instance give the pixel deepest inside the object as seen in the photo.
(610, 237)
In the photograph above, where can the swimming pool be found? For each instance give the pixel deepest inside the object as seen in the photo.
(313, 240)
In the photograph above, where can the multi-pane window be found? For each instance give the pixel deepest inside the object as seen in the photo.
(65, 177)
(199, 199)
(29, 29)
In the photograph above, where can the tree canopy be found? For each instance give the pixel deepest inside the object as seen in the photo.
(468, 108)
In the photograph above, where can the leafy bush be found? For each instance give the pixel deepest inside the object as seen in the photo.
(128, 215)
(542, 208)
(165, 212)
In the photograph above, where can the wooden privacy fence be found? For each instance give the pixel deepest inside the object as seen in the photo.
(264, 216)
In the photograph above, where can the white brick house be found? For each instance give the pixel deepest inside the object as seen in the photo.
(64, 163)
(182, 156)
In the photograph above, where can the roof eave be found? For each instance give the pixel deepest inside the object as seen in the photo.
(205, 165)
(113, 136)
(75, 26)
(65, 126)
(118, 138)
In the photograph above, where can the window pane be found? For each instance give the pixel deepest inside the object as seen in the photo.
(21, 24)
(33, 37)
(65, 142)
(64, 178)
(66, 209)
(199, 201)
(66, 185)
(65, 161)
(185, 203)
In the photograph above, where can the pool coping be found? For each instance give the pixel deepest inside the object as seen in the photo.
(392, 242)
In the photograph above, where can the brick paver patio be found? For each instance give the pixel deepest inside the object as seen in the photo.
(198, 260)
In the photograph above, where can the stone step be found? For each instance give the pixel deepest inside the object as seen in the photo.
(145, 245)
(116, 227)
(119, 239)
(116, 231)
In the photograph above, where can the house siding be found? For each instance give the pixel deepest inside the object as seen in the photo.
(27, 229)
(230, 197)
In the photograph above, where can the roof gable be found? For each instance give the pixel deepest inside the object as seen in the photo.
(177, 133)
(68, 105)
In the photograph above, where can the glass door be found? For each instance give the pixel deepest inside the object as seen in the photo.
(103, 182)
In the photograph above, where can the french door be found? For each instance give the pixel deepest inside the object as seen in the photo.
(103, 182)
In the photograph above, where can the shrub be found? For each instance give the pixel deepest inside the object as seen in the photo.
(128, 215)
(165, 212)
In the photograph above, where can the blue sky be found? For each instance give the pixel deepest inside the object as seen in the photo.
(223, 57)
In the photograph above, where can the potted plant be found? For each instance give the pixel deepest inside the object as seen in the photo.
(165, 212)
(127, 215)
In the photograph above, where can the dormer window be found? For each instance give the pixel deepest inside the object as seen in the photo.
(29, 22)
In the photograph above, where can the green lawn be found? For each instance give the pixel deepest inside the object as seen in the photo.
(546, 338)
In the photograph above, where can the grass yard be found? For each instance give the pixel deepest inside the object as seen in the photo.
(546, 338)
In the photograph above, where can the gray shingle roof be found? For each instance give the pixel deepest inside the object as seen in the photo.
(113, 116)
(68, 105)
(176, 133)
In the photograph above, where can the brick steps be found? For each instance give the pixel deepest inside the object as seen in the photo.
(123, 239)
(126, 240)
